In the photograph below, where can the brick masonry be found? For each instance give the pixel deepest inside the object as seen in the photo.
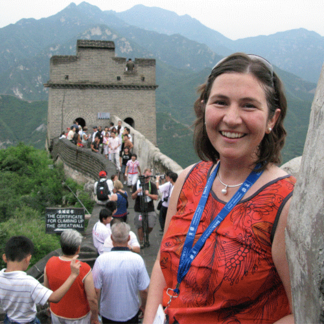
(81, 159)
(96, 81)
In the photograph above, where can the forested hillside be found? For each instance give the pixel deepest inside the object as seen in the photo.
(28, 184)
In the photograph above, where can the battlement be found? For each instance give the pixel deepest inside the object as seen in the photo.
(94, 44)
(96, 62)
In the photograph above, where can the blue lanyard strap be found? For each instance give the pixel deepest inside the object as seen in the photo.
(189, 252)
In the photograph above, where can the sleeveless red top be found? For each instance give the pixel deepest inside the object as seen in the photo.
(233, 279)
(74, 304)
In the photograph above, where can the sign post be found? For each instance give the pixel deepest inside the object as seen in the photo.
(60, 219)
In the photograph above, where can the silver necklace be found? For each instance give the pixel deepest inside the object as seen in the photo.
(224, 191)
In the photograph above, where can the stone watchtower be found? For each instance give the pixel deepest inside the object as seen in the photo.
(94, 84)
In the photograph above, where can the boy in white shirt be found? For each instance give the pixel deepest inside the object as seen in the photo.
(19, 292)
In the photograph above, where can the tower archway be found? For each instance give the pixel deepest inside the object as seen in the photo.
(81, 121)
(130, 121)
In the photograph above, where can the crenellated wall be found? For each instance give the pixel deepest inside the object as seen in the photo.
(81, 159)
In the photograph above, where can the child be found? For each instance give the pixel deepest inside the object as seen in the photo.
(19, 292)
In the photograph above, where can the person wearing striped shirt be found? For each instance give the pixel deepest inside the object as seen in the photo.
(19, 292)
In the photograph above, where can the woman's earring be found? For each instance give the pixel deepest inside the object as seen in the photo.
(270, 129)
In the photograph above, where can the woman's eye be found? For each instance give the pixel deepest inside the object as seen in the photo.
(220, 102)
(249, 105)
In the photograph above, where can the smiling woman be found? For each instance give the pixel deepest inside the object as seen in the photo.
(237, 116)
(222, 257)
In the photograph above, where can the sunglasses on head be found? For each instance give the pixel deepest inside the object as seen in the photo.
(253, 57)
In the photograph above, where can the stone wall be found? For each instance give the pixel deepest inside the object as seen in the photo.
(304, 233)
(81, 159)
(95, 81)
(148, 154)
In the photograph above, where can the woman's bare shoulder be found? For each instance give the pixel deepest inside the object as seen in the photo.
(273, 172)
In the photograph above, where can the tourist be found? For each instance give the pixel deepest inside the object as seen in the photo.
(101, 230)
(85, 137)
(95, 145)
(95, 132)
(71, 133)
(125, 156)
(119, 277)
(132, 243)
(166, 190)
(120, 129)
(82, 293)
(127, 132)
(127, 143)
(114, 144)
(121, 198)
(144, 197)
(237, 272)
(103, 188)
(130, 65)
(106, 144)
(19, 292)
(133, 170)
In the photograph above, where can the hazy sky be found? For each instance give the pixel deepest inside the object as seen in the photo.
(232, 18)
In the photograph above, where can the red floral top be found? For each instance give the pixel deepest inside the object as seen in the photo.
(233, 279)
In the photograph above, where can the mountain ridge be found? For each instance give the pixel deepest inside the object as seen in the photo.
(182, 65)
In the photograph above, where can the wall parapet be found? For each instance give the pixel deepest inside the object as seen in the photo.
(148, 155)
(81, 159)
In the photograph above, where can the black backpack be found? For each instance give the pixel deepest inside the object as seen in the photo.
(102, 190)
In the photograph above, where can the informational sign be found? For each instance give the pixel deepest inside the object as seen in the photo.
(60, 219)
(103, 115)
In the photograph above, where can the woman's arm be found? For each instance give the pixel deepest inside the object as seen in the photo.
(46, 283)
(157, 282)
(280, 260)
(113, 197)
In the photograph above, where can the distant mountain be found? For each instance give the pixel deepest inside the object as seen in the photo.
(22, 121)
(298, 51)
(182, 65)
(169, 23)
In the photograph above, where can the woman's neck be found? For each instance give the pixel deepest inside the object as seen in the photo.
(233, 172)
(67, 257)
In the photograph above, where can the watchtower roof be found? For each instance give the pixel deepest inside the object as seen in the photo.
(81, 43)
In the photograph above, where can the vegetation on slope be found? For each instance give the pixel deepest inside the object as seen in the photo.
(29, 184)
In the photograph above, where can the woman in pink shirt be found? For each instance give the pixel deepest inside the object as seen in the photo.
(132, 170)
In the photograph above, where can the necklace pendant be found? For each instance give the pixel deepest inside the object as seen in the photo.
(224, 191)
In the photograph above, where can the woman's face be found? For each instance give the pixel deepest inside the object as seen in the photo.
(237, 116)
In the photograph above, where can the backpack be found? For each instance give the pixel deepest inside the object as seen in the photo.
(102, 190)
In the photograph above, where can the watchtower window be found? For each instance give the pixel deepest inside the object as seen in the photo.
(143, 78)
(118, 78)
(66, 77)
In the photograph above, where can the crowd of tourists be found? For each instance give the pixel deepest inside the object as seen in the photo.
(115, 290)
(114, 142)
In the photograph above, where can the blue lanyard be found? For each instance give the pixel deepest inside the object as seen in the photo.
(189, 252)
